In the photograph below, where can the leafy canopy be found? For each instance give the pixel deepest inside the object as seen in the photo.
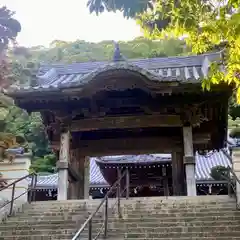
(9, 28)
(203, 24)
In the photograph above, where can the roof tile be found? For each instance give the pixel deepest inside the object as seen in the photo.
(182, 69)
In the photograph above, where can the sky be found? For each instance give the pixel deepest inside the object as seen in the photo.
(47, 20)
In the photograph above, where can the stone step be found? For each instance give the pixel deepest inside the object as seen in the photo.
(199, 201)
(122, 229)
(229, 217)
(120, 225)
(163, 210)
(208, 198)
(77, 216)
(127, 202)
(168, 218)
(229, 231)
(147, 232)
(41, 237)
(162, 213)
(193, 235)
(127, 209)
(67, 237)
(132, 208)
(127, 222)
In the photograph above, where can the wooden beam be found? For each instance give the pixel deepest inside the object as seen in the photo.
(126, 122)
(127, 146)
(198, 138)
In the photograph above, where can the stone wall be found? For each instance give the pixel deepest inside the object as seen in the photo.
(13, 171)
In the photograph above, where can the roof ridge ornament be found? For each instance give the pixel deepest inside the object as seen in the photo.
(117, 55)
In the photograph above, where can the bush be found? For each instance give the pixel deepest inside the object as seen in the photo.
(219, 173)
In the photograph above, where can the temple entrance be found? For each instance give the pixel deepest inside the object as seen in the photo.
(142, 106)
(148, 174)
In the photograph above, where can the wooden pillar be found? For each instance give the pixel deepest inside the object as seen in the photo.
(62, 166)
(119, 187)
(72, 190)
(178, 178)
(81, 170)
(73, 187)
(127, 183)
(86, 177)
(165, 181)
(189, 161)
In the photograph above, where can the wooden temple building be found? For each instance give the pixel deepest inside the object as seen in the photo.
(117, 107)
(103, 172)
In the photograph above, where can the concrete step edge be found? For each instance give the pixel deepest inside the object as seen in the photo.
(146, 229)
(133, 219)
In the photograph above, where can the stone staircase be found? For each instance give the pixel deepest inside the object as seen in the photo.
(182, 218)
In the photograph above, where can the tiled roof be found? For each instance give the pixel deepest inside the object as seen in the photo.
(203, 167)
(205, 163)
(141, 159)
(96, 177)
(182, 69)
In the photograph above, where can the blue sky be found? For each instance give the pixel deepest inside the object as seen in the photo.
(47, 20)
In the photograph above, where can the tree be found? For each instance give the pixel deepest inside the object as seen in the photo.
(205, 25)
(9, 28)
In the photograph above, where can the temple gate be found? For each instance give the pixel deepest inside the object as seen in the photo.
(128, 107)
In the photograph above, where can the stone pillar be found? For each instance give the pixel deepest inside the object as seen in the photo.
(62, 166)
(189, 161)
(236, 169)
(178, 178)
(86, 177)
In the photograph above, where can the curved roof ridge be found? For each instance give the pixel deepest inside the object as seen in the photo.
(57, 65)
(180, 69)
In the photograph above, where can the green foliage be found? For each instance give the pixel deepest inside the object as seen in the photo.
(81, 51)
(44, 164)
(129, 8)
(30, 127)
(219, 173)
(9, 27)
